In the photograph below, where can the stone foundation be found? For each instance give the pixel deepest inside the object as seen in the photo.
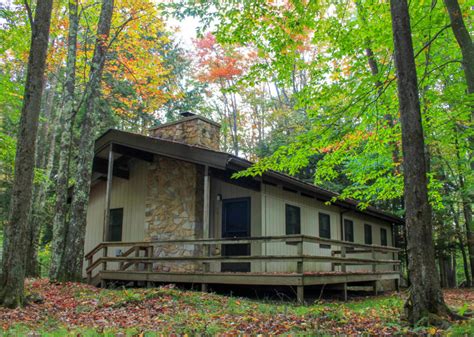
(174, 207)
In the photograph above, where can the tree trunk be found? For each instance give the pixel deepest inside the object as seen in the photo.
(44, 147)
(467, 49)
(74, 248)
(15, 231)
(425, 296)
(66, 123)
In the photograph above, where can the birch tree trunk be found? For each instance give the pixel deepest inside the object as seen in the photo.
(15, 231)
(426, 298)
(74, 249)
(467, 49)
(66, 123)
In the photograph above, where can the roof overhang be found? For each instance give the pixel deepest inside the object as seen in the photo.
(141, 146)
(176, 150)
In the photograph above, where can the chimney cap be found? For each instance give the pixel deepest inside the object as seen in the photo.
(187, 114)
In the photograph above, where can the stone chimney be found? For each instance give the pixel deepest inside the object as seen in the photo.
(191, 129)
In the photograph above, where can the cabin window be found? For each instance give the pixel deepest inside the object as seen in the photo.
(293, 219)
(115, 225)
(348, 230)
(368, 234)
(383, 236)
(324, 228)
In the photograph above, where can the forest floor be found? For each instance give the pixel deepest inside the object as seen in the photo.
(75, 309)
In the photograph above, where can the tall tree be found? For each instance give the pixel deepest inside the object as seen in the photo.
(464, 41)
(74, 244)
(425, 294)
(67, 117)
(12, 282)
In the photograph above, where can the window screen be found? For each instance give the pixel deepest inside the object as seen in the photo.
(348, 230)
(324, 228)
(293, 219)
(368, 234)
(383, 236)
(115, 225)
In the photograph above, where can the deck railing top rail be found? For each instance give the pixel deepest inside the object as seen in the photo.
(242, 240)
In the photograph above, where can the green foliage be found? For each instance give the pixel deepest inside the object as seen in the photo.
(44, 259)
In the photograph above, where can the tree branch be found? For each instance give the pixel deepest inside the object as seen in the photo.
(427, 44)
(30, 15)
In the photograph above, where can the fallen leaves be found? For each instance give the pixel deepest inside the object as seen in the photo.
(172, 311)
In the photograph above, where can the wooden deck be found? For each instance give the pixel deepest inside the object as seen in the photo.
(137, 263)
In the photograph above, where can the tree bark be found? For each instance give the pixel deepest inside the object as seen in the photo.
(467, 50)
(66, 123)
(44, 150)
(74, 250)
(15, 231)
(425, 296)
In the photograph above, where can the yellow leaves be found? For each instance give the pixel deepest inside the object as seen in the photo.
(432, 331)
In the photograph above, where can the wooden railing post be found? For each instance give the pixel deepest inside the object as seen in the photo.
(150, 254)
(343, 255)
(299, 252)
(104, 254)
(300, 270)
(374, 257)
(333, 265)
(89, 272)
(137, 254)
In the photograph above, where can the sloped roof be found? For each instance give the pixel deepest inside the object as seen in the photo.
(223, 161)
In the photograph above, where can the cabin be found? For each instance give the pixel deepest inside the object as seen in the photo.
(165, 208)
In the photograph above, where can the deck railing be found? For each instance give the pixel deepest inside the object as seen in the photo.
(342, 257)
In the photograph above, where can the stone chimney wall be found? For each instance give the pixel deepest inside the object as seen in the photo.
(194, 130)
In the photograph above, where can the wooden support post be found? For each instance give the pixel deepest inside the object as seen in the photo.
(108, 190)
(300, 294)
(206, 221)
(376, 292)
(345, 291)
(206, 203)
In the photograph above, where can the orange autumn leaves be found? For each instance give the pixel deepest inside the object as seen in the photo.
(137, 46)
(136, 57)
(218, 63)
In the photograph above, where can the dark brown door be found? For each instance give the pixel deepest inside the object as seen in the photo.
(236, 224)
